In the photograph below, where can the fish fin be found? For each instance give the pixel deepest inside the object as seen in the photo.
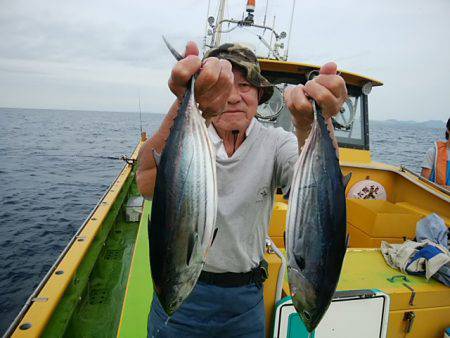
(214, 235)
(192, 246)
(346, 179)
(294, 276)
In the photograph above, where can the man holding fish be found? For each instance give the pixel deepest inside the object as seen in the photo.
(252, 161)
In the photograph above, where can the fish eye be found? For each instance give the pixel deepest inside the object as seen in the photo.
(307, 315)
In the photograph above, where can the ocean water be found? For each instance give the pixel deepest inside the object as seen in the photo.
(53, 170)
(403, 143)
(54, 167)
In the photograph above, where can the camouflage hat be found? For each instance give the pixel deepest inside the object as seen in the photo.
(245, 59)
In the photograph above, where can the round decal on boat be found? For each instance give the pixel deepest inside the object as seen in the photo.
(367, 190)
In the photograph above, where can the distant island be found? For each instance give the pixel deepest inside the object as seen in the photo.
(428, 124)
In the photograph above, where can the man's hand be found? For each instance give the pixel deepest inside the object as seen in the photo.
(213, 84)
(327, 89)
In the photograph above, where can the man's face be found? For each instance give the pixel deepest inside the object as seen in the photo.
(241, 105)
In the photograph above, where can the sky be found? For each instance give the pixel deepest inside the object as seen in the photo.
(104, 55)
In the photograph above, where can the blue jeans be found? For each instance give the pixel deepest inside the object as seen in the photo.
(212, 311)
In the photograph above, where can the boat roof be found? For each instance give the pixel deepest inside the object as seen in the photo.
(270, 65)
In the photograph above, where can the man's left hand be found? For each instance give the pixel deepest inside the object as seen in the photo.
(327, 89)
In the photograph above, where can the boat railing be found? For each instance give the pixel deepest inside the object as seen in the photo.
(423, 179)
(76, 236)
(278, 50)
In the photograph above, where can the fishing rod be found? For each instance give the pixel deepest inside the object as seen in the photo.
(140, 112)
(290, 30)
(97, 157)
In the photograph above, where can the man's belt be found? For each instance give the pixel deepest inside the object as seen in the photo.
(232, 279)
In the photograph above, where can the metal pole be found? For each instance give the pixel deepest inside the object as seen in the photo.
(271, 35)
(290, 30)
(219, 22)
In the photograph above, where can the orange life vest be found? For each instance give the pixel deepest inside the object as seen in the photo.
(440, 163)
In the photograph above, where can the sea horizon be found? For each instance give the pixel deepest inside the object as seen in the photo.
(389, 120)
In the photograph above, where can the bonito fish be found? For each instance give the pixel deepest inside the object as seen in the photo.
(182, 225)
(316, 225)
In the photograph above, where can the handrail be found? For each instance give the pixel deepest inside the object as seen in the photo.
(423, 179)
(283, 267)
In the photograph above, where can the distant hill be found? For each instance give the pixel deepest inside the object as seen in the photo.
(19, 110)
(428, 124)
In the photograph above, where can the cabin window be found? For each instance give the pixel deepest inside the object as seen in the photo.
(350, 126)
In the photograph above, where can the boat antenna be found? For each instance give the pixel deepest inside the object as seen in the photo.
(219, 22)
(265, 14)
(271, 35)
(290, 30)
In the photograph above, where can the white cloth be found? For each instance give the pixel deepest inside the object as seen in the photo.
(246, 183)
(413, 257)
(433, 228)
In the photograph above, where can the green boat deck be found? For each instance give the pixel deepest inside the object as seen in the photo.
(139, 292)
(112, 281)
(97, 313)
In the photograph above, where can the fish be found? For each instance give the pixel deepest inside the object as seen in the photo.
(316, 225)
(183, 218)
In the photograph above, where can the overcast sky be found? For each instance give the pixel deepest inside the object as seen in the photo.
(101, 55)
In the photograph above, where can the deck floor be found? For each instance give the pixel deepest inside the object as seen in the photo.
(139, 293)
(98, 311)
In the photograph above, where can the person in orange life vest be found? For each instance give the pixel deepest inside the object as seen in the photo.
(436, 166)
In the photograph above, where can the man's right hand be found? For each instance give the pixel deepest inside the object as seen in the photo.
(212, 86)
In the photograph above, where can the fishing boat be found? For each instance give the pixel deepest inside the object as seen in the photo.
(101, 284)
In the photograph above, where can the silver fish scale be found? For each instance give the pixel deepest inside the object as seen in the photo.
(184, 208)
(207, 199)
(316, 226)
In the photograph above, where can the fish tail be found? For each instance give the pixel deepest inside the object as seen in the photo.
(318, 116)
(176, 55)
(191, 84)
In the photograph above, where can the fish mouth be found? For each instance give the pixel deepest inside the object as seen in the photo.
(170, 302)
(311, 319)
(310, 313)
